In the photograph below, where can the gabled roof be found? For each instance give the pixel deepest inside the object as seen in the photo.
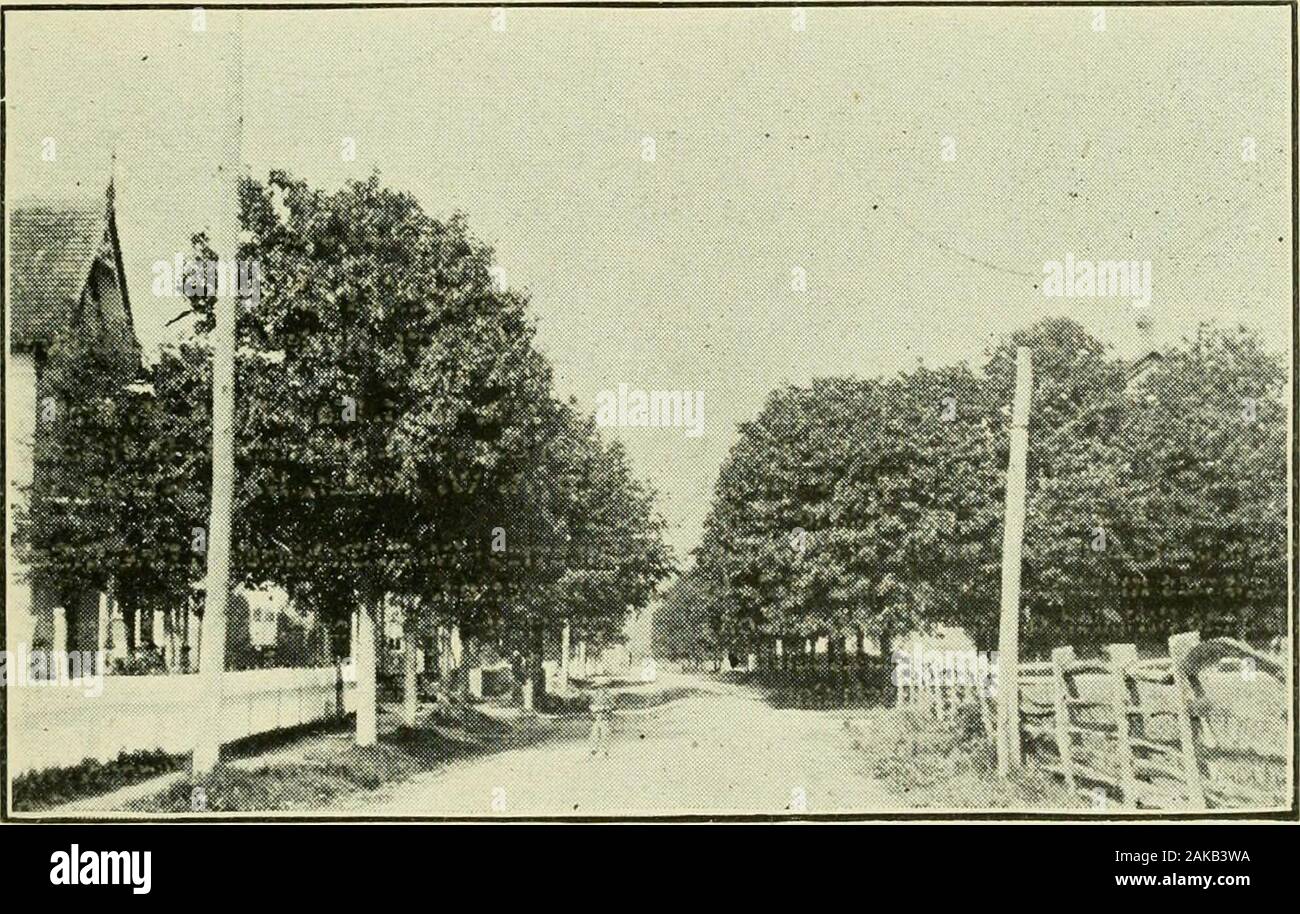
(1139, 368)
(1147, 356)
(1143, 364)
(56, 250)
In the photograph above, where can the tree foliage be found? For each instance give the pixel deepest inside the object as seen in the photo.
(1156, 503)
(397, 433)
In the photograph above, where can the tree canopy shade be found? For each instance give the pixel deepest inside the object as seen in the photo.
(681, 628)
(1156, 503)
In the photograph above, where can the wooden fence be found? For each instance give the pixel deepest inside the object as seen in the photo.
(54, 726)
(1207, 727)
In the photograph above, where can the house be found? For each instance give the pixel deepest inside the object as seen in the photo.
(64, 273)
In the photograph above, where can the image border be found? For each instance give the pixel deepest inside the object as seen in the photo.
(918, 816)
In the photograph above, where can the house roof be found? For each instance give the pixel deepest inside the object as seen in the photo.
(1140, 367)
(53, 249)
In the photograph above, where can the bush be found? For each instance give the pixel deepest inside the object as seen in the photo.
(141, 663)
(815, 686)
(39, 790)
(939, 766)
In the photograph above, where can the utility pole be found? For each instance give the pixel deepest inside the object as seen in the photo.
(1008, 698)
(225, 241)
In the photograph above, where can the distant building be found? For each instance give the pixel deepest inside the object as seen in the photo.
(1145, 360)
(266, 606)
(941, 638)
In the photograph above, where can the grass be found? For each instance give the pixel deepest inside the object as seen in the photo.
(331, 766)
(41, 790)
(53, 787)
(317, 763)
(934, 766)
(286, 786)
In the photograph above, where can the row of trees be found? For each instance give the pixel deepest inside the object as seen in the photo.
(1157, 502)
(397, 434)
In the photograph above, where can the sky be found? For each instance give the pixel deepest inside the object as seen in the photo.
(775, 149)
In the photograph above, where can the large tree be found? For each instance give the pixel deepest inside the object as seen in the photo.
(1156, 501)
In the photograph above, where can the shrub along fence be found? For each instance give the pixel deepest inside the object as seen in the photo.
(821, 681)
(1207, 727)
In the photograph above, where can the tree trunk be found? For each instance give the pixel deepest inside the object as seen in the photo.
(536, 667)
(564, 658)
(137, 635)
(193, 629)
(381, 635)
(101, 632)
(471, 670)
(171, 623)
(59, 655)
(410, 645)
(364, 661)
(887, 657)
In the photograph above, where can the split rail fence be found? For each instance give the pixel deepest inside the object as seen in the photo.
(1207, 727)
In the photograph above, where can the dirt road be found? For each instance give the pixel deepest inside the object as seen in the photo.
(717, 750)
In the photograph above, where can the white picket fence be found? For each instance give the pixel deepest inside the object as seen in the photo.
(60, 725)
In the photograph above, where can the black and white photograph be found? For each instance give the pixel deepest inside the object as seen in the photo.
(642, 412)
